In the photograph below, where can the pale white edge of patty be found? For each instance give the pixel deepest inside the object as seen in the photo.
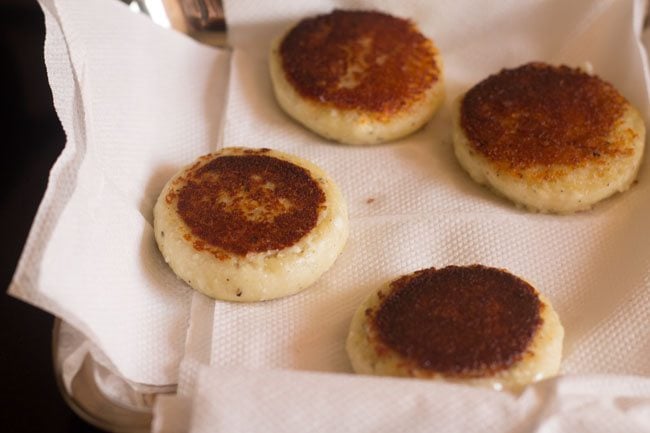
(256, 276)
(541, 360)
(577, 190)
(352, 126)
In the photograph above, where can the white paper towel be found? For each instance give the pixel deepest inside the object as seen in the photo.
(136, 103)
(412, 206)
(240, 400)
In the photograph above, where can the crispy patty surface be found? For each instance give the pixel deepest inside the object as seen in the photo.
(357, 77)
(251, 202)
(550, 138)
(361, 60)
(458, 320)
(470, 324)
(247, 224)
(538, 114)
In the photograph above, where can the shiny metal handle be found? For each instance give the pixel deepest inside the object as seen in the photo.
(204, 15)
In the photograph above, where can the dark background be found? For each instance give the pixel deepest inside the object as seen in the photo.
(31, 139)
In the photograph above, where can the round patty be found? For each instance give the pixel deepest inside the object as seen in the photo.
(358, 77)
(551, 139)
(250, 224)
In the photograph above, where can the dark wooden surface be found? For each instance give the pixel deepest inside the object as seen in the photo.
(32, 138)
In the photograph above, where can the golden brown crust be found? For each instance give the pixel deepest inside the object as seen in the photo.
(359, 60)
(246, 203)
(471, 321)
(541, 115)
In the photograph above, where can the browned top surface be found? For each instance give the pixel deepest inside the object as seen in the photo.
(359, 60)
(249, 203)
(539, 115)
(459, 321)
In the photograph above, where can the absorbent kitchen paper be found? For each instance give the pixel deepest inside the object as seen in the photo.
(236, 399)
(137, 102)
(412, 206)
(282, 364)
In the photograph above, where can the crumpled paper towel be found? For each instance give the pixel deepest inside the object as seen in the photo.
(412, 206)
(136, 102)
(240, 400)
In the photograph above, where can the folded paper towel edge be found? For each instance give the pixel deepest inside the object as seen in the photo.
(23, 284)
(620, 384)
(535, 405)
(65, 66)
